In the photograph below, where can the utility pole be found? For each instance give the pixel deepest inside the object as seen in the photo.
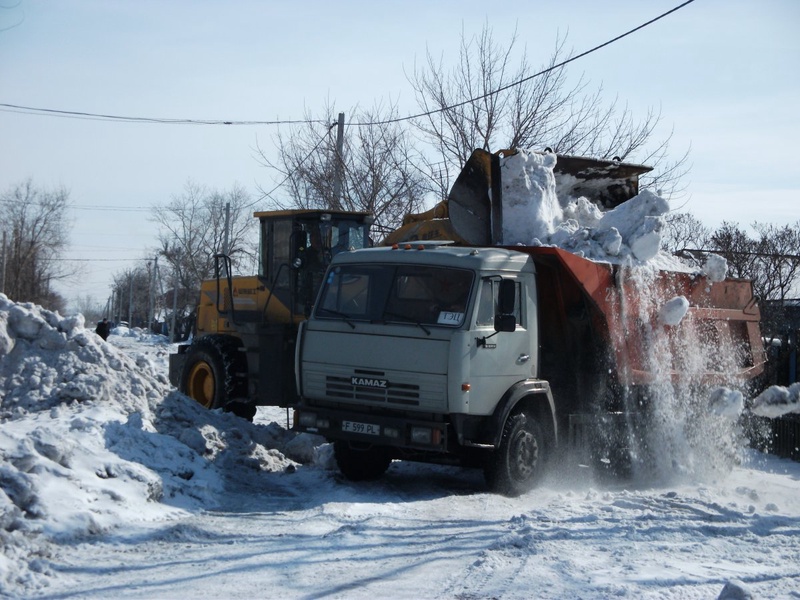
(226, 237)
(130, 301)
(151, 293)
(175, 282)
(339, 163)
(3, 274)
(174, 310)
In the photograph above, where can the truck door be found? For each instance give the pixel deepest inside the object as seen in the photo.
(500, 359)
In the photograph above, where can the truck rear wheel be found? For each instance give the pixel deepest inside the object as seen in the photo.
(209, 377)
(517, 464)
(358, 464)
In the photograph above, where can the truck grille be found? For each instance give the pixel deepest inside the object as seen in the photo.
(397, 389)
(394, 393)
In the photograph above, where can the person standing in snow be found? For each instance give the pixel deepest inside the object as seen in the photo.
(102, 329)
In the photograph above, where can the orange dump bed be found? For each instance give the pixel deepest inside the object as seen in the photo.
(615, 309)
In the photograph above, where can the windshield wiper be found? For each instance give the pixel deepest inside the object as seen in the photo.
(408, 319)
(345, 317)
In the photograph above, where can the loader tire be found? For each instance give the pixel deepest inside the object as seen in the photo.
(358, 464)
(517, 464)
(211, 376)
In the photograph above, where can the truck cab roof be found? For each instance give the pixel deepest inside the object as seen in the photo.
(442, 254)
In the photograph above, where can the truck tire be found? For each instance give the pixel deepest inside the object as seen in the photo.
(517, 464)
(361, 465)
(210, 376)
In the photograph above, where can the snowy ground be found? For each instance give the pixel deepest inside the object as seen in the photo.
(114, 485)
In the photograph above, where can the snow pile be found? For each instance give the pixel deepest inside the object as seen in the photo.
(91, 437)
(533, 215)
(531, 210)
(115, 495)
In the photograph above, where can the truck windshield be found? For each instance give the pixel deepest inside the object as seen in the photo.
(409, 294)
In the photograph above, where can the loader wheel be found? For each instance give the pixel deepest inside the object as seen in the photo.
(358, 464)
(209, 376)
(517, 464)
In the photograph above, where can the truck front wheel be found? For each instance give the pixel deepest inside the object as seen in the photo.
(359, 464)
(517, 464)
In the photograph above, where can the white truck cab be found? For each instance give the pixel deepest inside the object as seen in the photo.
(426, 352)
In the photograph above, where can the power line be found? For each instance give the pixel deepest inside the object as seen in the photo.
(300, 164)
(85, 206)
(71, 114)
(525, 79)
(95, 259)
(165, 121)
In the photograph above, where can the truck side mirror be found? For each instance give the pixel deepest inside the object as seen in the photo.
(507, 323)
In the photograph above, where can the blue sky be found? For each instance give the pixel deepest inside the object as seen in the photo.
(722, 73)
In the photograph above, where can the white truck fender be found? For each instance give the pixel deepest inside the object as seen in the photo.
(522, 391)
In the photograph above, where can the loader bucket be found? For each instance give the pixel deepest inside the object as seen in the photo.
(473, 197)
(607, 183)
(472, 214)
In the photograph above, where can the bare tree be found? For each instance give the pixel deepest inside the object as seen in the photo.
(489, 101)
(771, 260)
(379, 170)
(132, 287)
(89, 307)
(684, 233)
(192, 231)
(738, 248)
(38, 231)
(779, 259)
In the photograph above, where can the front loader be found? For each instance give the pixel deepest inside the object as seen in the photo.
(242, 350)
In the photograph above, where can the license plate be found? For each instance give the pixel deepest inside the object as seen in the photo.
(365, 428)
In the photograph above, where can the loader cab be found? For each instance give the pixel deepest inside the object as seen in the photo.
(296, 246)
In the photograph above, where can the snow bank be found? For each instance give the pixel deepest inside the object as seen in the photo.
(91, 438)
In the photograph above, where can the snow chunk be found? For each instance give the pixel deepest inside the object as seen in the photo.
(726, 403)
(715, 268)
(530, 207)
(639, 221)
(777, 401)
(735, 590)
(673, 311)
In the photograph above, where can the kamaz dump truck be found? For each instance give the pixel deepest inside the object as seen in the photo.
(490, 356)
(242, 349)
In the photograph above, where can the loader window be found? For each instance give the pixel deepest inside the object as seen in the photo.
(275, 251)
(488, 303)
(348, 235)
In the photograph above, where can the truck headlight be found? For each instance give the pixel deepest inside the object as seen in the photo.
(421, 435)
(308, 419)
